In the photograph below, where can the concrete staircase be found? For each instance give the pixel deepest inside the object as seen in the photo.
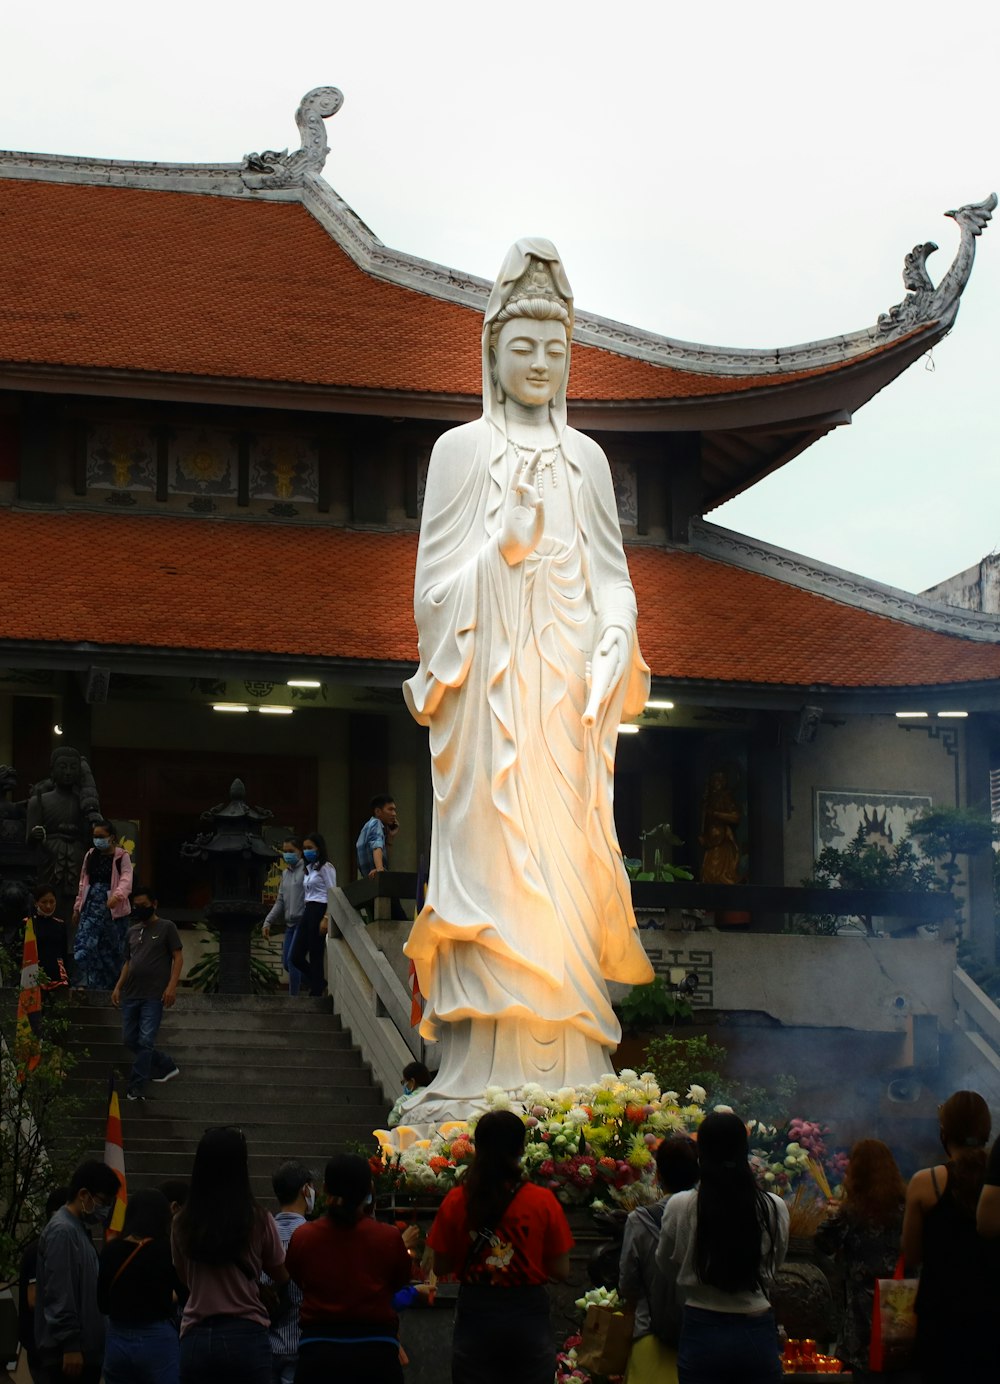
(282, 1069)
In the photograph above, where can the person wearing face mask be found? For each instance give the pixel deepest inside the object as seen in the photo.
(320, 877)
(288, 908)
(295, 1193)
(101, 908)
(69, 1327)
(148, 985)
(415, 1076)
(348, 1267)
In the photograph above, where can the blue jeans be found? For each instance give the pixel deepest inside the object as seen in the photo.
(140, 1025)
(295, 976)
(142, 1354)
(728, 1348)
(226, 1350)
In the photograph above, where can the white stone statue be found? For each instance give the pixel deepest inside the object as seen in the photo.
(528, 661)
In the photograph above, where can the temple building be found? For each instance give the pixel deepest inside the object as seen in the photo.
(219, 394)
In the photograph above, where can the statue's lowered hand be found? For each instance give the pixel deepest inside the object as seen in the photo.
(523, 514)
(605, 669)
(37, 834)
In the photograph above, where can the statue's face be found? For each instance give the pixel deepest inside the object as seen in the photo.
(66, 770)
(531, 360)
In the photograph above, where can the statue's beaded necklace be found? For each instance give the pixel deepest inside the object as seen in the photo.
(547, 462)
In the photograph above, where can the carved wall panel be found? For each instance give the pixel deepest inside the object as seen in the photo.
(284, 467)
(203, 462)
(120, 456)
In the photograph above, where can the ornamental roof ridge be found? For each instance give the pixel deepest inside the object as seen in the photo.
(280, 176)
(823, 579)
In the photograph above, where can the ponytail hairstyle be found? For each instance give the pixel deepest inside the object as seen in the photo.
(737, 1228)
(348, 1184)
(496, 1169)
(965, 1132)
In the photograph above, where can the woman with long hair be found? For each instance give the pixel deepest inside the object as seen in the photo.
(320, 877)
(348, 1267)
(959, 1280)
(505, 1239)
(863, 1235)
(101, 909)
(728, 1240)
(135, 1291)
(222, 1241)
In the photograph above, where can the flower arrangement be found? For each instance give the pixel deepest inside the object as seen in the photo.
(595, 1144)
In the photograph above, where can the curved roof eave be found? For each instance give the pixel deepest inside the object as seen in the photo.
(273, 175)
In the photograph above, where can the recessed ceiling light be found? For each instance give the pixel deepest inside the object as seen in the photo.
(628, 730)
(659, 706)
(230, 706)
(276, 710)
(954, 715)
(303, 682)
(911, 715)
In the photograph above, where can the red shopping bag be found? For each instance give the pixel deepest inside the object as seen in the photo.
(894, 1322)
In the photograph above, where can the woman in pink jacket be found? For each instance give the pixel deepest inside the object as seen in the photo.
(101, 910)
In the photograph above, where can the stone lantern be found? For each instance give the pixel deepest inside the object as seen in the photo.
(238, 860)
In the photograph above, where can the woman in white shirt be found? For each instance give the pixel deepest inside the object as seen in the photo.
(320, 878)
(727, 1240)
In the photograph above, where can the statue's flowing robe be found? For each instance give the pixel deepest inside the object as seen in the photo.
(528, 908)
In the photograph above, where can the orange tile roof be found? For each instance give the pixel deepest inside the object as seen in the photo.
(193, 584)
(188, 284)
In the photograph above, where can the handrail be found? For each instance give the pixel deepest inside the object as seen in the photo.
(368, 994)
(975, 1005)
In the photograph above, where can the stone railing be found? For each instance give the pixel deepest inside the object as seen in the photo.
(369, 996)
(977, 1035)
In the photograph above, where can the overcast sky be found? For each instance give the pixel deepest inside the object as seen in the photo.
(744, 175)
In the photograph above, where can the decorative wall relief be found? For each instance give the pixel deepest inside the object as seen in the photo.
(202, 462)
(884, 817)
(626, 491)
(285, 468)
(120, 457)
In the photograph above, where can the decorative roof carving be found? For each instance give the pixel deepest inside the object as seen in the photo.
(282, 176)
(923, 302)
(274, 168)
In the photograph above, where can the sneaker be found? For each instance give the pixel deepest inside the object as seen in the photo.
(174, 1071)
(134, 1095)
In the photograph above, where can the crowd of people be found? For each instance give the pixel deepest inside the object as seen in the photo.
(205, 1286)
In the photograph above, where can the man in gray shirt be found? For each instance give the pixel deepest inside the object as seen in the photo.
(289, 906)
(69, 1328)
(147, 985)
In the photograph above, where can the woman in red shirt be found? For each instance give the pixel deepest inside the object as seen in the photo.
(348, 1267)
(505, 1239)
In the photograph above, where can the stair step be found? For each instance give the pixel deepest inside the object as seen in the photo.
(320, 1031)
(248, 1062)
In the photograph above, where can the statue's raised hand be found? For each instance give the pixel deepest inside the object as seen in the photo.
(523, 514)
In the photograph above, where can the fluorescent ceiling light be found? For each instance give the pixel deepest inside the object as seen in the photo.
(230, 706)
(911, 715)
(659, 706)
(303, 682)
(628, 730)
(955, 715)
(276, 710)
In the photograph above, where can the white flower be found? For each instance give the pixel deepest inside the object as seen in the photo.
(671, 1097)
(608, 1081)
(532, 1094)
(578, 1116)
(501, 1101)
(697, 1094)
(723, 1109)
(628, 1076)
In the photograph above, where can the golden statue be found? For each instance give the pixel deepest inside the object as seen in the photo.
(720, 817)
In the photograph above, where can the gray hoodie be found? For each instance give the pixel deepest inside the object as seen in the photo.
(642, 1281)
(66, 1312)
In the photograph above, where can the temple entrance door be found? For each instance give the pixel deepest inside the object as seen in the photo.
(166, 791)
